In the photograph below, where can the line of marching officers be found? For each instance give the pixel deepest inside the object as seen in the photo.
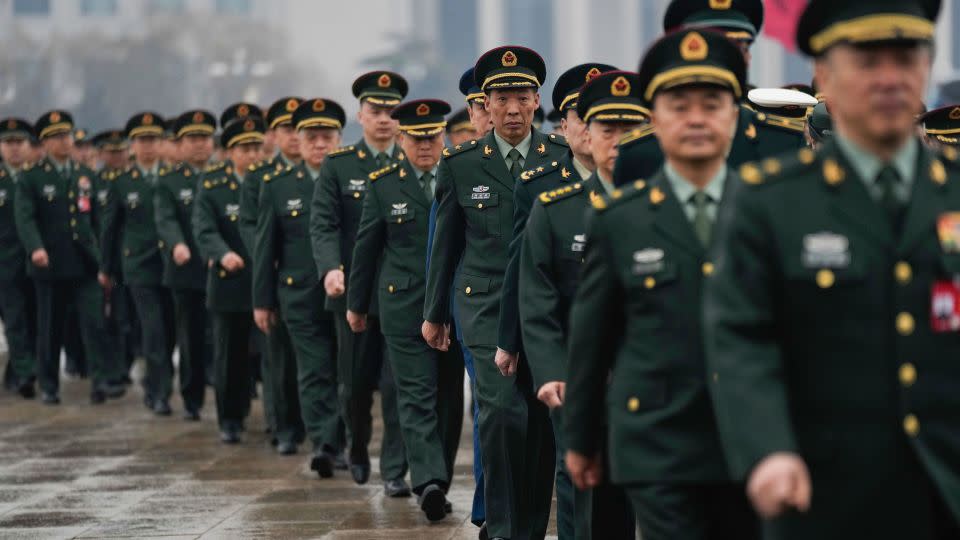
(676, 316)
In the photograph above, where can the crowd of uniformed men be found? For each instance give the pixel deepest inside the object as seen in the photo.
(710, 312)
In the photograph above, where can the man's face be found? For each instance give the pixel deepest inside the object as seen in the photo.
(15, 151)
(603, 141)
(114, 159)
(423, 152)
(480, 118)
(511, 111)
(195, 148)
(287, 141)
(695, 122)
(146, 148)
(875, 92)
(169, 150)
(269, 144)
(58, 146)
(243, 155)
(376, 122)
(576, 133)
(316, 143)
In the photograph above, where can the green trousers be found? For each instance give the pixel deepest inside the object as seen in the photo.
(155, 310)
(231, 366)
(17, 304)
(280, 375)
(191, 330)
(693, 512)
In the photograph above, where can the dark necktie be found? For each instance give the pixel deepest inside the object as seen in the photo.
(426, 182)
(887, 180)
(515, 167)
(382, 160)
(702, 225)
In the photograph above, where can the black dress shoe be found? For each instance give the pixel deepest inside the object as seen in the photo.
(191, 415)
(448, 507)
(286, 448)
(51, 398)
(396, 488)
(340, 462)
(148, 402)
(322, 462)
(229, 436)
(483, 532)
(113, 390)
(97, 397)
(433, 503)
(126, 380)
(26, 390)
(162, 408)
(360, 472)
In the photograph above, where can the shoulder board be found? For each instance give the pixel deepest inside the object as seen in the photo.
(382, 172)
(554, 195)
(460, 148)
(213, 166)
(542, 170)
(760, 172)
(950, 155)
(211, 183)
(342, 151)
(602, 202)
(255, 166)
(637, 134)
(782, 122)
(558, 139)
(27, 166)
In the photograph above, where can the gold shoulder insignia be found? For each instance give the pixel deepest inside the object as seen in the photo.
(163, 171)
(540, 171)
(267, 177)
(950, 153)
(637, 134)
(381, 172)
(552, 196)
(938, 173)
(791, 124)
(558, 139)
(833, 173)
(253, 166)
(342, 151)
(751, 174)
(459, 149)
(771, 166)
(805, 156)
(207, 184)
(597, 201)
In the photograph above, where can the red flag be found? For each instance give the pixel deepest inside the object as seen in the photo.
(780, 20)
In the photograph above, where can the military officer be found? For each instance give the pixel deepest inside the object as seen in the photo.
(112, 149)
(475, 214)
(280, 394)
(216, 222)
(53, 214)
(831, 317)
(17, 301)
(285, 276)
(129, 221)
(941, 127)
(184, 272)
(335, 217)
(641, 296)
(84, 151)
(429, 382)
(758, 135)
(459, 128)
(476, 103)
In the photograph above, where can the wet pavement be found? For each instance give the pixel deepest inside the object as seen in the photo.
(116, 470)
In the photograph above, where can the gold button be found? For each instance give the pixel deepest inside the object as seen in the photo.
(294, 213)
(479, 205)
(390, 289)
(160, 243)
(633, 404)
(73, 222)
(126, 252)
(716, 376)
(649, 282)
(905, 323)
(289, 281)
(341, 268)
(356, 194)
(233, 218)
(825, 279)
(70, 194)
(911, 425)
(903, 272)
(73, 208)
(399, 220)
(908, 374)
(76, 236)
(223, 273)
(467, 290)
(708, 268)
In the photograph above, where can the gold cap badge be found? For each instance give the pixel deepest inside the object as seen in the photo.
(720, 4)
(693, 47)
(319, 105)
(423, 109)
(197, 117)
(242, 110)
(620, 87)
(384, 81)
(248, 125)
(955, 113)
(508, 59)
(291, 105)
(54, 116)
(593, 73)
(148, 119)
(832, 172)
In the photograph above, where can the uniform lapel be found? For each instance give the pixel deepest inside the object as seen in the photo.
(493, 163)
(926, 202)
(410, 185)
(537, 155)
(568, 173)
(850, 200)
(366, 159)
(669, 219)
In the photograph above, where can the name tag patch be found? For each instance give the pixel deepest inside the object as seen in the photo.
(294, 204)
(398, 209)
(825, 250)
(579, 241)
(647, 261)
(357, 185)
(480, 193)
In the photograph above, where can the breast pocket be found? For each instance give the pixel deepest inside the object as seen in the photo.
(401, 223)
(295, 222)
(482, 211)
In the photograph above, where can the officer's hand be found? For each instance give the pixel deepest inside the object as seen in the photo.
(779, 482)
(357, 321)
(104, 280)
(181, 254)
(333, 283)
(231, 262)
(585, 472)
(436, 335)
(506, 362)
(39, 258)
(265, 319)
(551, 393)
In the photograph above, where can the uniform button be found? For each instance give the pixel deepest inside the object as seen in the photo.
(233, 218)
(160, 244)
(390, 289)
(289, 281)
(905, 323)
(479, 205)
(468, 290)
(294, 213)
(911, 425)
(708, 268)
(73, 222)
(649, 282)
(399, 220)
(126, 252)
(73, 209)
(341, 268)
(76, 236)
(903, 272)
(223, 273)
(356, 195)
(908, 374)
(633, 404)
(825, 279)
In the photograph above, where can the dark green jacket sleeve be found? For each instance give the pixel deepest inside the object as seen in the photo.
(366, 255)
(325, 220)
(448, 243)
(596, 329)
(165, 215)
(209, 241)
(110, 233)
(25, 214)
(249, 207)
(743, 359)
(539, 302)
(265, 253)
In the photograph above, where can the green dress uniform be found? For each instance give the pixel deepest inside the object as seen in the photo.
(429, 382)
(173, 205)
(129, 221)
(285, 277)
(337, 203)
(475, 193)
(17, 300)
(831, 318)
(216, 222)
(54, 212)
(281, 402)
